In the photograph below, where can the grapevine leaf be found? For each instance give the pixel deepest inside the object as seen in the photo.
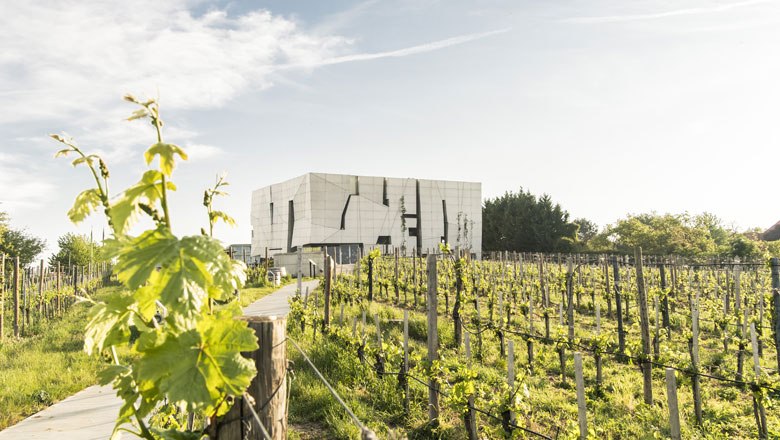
(139, 257)
(148, 190)
(166, 153)
(197, 368)
(219, 215)
(190, 269)
(138, 114)
(109, 323)
(229, 275)
(85, 203)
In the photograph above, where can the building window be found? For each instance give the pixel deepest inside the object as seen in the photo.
(413, 232)
(383, 239)
(271, 207)
(385, 200)
(344, 213)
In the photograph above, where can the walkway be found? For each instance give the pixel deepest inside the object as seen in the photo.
(90, 413)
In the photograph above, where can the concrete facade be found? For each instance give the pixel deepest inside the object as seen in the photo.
(347, 213)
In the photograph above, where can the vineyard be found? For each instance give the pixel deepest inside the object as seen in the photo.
(33, 295)
(544, 346)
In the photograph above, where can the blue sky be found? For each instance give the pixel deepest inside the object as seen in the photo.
(611, 107)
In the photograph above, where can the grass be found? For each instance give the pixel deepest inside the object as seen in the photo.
(46, 367)
(50, 365)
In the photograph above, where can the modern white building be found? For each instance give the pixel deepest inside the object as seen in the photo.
(347, 213)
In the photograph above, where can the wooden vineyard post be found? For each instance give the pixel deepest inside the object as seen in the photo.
(657, 332)
(508, 417)
(581, 408)
(674, 412)
(370, 278)
(363, 327)
(618, 309)
(2, 295)
(607, 292)
(696, 379)
(456, 319)
(775, 262)
(395, 277)
(16, 297)
(266, 389)
(327, 288)
(358, 269)
(470, 418)
(479, 325)
(740, 324)
(760, 327)
(498, 328)
(24, 316)
(665, 303)
(529, 340)
(758, 406)
(597, 354)
(433, 339)
(644, 323)
(406, 362)
(414, 277)
(380, 355)
(40, 292)
(75, 281)
(570, 298)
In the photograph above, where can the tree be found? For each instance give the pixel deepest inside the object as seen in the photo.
(587, 230)
(18, 243)
(522, 222)
(76, 250)
(679, 234)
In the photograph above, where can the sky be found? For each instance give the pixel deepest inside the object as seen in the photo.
(610, 107)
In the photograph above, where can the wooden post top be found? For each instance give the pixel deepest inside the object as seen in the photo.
(271, 318)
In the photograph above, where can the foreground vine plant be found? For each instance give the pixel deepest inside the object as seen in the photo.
(185, 348)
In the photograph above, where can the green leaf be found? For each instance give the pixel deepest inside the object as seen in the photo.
(219, 215)
(138, 114)
(166, 153)
(85, 203)
(183, 272)
(148, 190)
(109, 323)
(199, 367)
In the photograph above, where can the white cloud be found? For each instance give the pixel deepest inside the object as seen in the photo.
(68, 62)
(70, 58)
(202, 151)
(413, 50)
(21, 188)
(664, 14)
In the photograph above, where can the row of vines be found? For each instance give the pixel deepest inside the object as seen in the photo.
(699, 320)
(32, 295)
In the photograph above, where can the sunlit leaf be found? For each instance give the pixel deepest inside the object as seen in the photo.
(166, 153)
(109, 323)
(85, 204)
(219, 215)
(138, 114)
(196, 368)
(148, 190)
